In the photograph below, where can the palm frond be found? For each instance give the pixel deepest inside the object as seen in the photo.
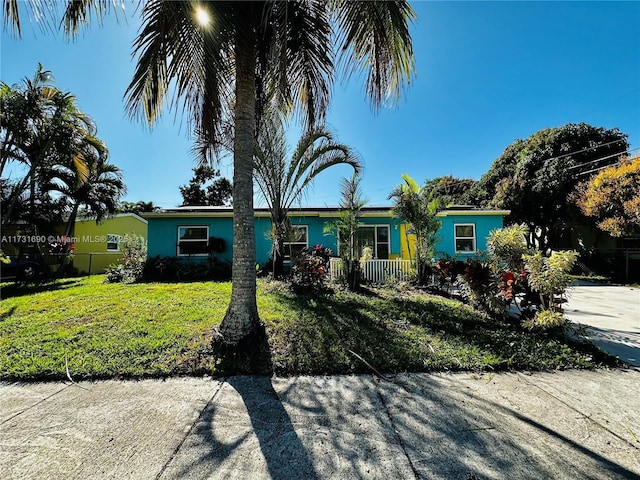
(374, 38)
(300, 60)
(173, 48)
(78, 13)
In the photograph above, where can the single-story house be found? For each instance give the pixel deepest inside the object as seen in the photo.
(188, 232)
(97, 245)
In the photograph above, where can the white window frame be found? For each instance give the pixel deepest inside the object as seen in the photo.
(375, 238)
(456, 237)
(113, 238)
(286, 244)
(206, 239)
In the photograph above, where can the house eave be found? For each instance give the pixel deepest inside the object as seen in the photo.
(451, 213)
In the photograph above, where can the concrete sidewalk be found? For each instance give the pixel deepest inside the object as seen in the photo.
(573, 425)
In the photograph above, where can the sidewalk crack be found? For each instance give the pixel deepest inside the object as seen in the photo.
(34, 405)
(583, 415)
(393, 425)
(193, 425)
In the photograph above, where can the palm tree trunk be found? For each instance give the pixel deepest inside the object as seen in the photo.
(68, 233)
(241, 319)
(279, 234)
(278, 257)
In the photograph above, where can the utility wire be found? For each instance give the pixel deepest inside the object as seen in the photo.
(605, 166)
(584, 150)
(603, 158)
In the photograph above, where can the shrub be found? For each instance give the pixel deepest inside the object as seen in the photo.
(447, 270)
(506, 246)
(134, 256)
(310, 268)
(549, 276)
(546, 320)
(478, 287)
(175, 269)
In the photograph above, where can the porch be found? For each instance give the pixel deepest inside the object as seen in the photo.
(375, 271)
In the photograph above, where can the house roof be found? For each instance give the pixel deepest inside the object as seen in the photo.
(205, 211)
(453, 210)
(117, 215)
(380, 210)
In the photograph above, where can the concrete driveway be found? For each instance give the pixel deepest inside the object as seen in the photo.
(611, 315)
(565, 425)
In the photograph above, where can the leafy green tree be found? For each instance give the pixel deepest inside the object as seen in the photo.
(448, 189)
(217, 192)
(283, 177)
(137, 207)
(142, 206)
(612, 198)
(535, 177)
(230, 67)
(412, 204)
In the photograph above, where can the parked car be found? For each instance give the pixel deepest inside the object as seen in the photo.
(22, 268)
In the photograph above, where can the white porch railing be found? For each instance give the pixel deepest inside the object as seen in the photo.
(375, 271)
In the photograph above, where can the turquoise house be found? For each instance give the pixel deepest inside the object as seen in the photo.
(192, 232)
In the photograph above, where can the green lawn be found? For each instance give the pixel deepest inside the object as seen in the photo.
(101, 330)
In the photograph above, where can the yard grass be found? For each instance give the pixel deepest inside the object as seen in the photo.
(98, 330)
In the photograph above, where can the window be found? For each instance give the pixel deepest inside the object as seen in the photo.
(193, 240)
(298, 239)
(113, 242)
(376, 237)
(465, 238)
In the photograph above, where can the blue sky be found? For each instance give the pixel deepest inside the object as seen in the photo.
(487, 74)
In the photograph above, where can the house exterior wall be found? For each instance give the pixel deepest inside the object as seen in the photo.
(483, 222)
(91, 254)
(163, 232)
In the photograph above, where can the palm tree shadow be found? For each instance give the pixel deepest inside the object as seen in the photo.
(285, 455)
(222, 442)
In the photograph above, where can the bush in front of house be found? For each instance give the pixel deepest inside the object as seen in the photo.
(175, 269)
(310, 269)
(134, 255)
(513, 276)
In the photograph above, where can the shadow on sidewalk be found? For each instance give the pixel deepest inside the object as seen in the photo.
(283, 451)
(468, 434)
(222, 443)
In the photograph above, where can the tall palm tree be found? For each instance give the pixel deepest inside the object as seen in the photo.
(41, 126)
(248, 52)
(99, 194)
(284, 177)
(411, 204)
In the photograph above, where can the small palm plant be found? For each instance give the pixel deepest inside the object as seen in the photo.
(346, 226)
(283, 178)
(412, 204)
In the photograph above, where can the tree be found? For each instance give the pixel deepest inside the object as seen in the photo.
(534, 177)
(612, 198)
(137, 207)
(41, 127)
(447, 189)
(283, 177)
(346, 226)
(218, 192)
(230, 66)
(412, 204)
(98, 195)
